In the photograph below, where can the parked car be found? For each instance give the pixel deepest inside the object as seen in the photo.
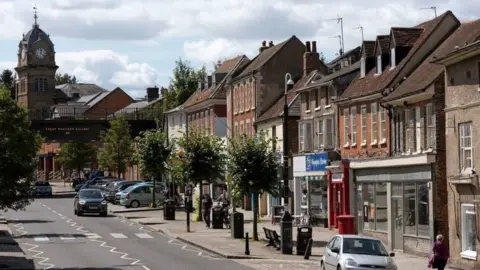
(116, 187)
(97, 182)
(345, 252)
(141, 195)
(42, 188)
(89, 200)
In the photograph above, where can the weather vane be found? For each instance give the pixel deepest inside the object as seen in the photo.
(35, 14)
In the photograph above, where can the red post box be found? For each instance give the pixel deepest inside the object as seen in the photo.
(346, 224)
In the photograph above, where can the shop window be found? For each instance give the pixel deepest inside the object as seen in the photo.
(381, 213)
(423, 205)
(409, 208)
(469, 231)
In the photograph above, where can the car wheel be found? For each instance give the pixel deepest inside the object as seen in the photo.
(339, 267)
(75, 211)
(79, 213)
(135, 204)
(103, 214)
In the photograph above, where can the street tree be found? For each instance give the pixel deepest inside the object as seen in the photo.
(6, 78)
(184, 82)
(253, 167)
(19, 145)
(64, 78)
(116, 152)
(75, 156)
(153, 149)
(203, 160)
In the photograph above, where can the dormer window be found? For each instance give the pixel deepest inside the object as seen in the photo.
(392, 58)
(379, 64)
(362, 67)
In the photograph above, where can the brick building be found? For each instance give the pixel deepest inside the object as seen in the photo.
(259, 84)
(460, 65)
(391, 158)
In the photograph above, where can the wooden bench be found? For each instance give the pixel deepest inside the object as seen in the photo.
(273, 238)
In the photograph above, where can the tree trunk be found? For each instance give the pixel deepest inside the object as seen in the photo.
(255, 217)
(154, 182)
(200, 195)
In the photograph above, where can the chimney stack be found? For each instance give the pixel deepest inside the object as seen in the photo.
(311, 58)
(263, 48)
(270, 44)
(152, 93)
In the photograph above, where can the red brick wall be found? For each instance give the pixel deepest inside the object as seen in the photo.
(115, 101)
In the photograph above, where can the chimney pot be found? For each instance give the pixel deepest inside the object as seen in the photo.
(264, 43)
(308, 46)
(270, 44)
(314, 46)
(152, 93)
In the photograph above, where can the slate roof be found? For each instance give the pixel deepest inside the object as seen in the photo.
(406, 37)
(138, 105)
(69, 110)
(372, 83)
(262, 58)
(276, 110)
(35, 34)
(83, 89)
(428, 72)
(174, 110)
(384, 41)
(217, 91)
(369, 48)
(319, 79)
(352, 52)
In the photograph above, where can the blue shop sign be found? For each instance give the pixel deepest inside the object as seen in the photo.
(316, 162)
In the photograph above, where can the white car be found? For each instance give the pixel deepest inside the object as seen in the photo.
(355, 252)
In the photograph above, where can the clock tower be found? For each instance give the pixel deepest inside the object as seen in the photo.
(36, 68)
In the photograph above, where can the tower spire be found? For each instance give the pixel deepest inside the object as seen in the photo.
(35, 15)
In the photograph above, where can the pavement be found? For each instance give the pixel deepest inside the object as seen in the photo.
(11, 255)
(219, 242)
(49, 231)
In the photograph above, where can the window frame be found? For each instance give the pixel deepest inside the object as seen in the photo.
(464, 208)
(307, 101)
(363, 124)
(321, 132)
(383, 125)
(462, 149)
(301, 137)
(374, 122)
(346, 127)
(353, 125)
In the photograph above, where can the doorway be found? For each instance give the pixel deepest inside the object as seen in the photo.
(397, 216)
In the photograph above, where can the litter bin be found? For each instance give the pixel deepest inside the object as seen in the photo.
(169, 210)
(236, 225)
(217, 217)
(304, 234)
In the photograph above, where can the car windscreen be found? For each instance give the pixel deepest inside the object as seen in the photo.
(126, 185)
(90, 194)
(130, 188)
(42, 184)
(364, 247)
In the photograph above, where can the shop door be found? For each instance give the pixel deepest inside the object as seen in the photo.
(397, 216)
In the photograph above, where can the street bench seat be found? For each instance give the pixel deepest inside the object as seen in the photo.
(272, 237)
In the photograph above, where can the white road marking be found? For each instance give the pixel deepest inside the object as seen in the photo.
(67, 238)
(40, 239)
(60, 214)
(143, 235)
(43, 260)
(118, 235)
(92, 235)
(114, 250)
(146, 268)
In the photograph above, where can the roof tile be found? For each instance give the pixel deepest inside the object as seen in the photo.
(428, 72)
(373, 83)
(369, 48)
(406, 37)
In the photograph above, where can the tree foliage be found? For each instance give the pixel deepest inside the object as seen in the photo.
(203, 160)
(323, 58)
(64, 78)
(18, 149)
(75, 155)
(253, 167)
(116, 152)
(184, 83)
(6, 78)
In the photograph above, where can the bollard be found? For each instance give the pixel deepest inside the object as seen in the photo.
(247, 247)
(308, 252)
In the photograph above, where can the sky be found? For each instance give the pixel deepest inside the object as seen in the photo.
(134, 44)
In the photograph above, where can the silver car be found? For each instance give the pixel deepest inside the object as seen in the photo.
(355, 252)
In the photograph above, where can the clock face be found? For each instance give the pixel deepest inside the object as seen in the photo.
(40, 53)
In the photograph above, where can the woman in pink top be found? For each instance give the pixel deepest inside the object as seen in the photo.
(440, 254)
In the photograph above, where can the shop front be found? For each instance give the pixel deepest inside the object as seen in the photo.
(310, 184)
(394, 201)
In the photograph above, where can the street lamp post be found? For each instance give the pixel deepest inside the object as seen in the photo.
(288, 85)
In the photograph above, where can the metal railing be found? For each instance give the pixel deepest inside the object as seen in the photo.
(79, 113)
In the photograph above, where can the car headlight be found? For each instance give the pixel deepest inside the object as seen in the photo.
(81, 202)
(350, 262)
(104, 202)
(391, 264)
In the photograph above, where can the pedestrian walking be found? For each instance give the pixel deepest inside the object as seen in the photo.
(439, 255)
(207, 206)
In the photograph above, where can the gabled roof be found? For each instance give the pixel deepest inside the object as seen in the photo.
(261, 59)
(174, 110)
(276, 110)
(102, 96)
(373, 83)
(83, 89)
(382, 42)
(428, 72)
(319, 79)
(352, 52)
(368, 48)
(217, 91)
(405, 37)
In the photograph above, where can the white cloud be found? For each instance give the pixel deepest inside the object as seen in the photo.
(211, 51)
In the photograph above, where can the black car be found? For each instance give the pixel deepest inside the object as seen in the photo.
(42, 188)
(90, 200)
